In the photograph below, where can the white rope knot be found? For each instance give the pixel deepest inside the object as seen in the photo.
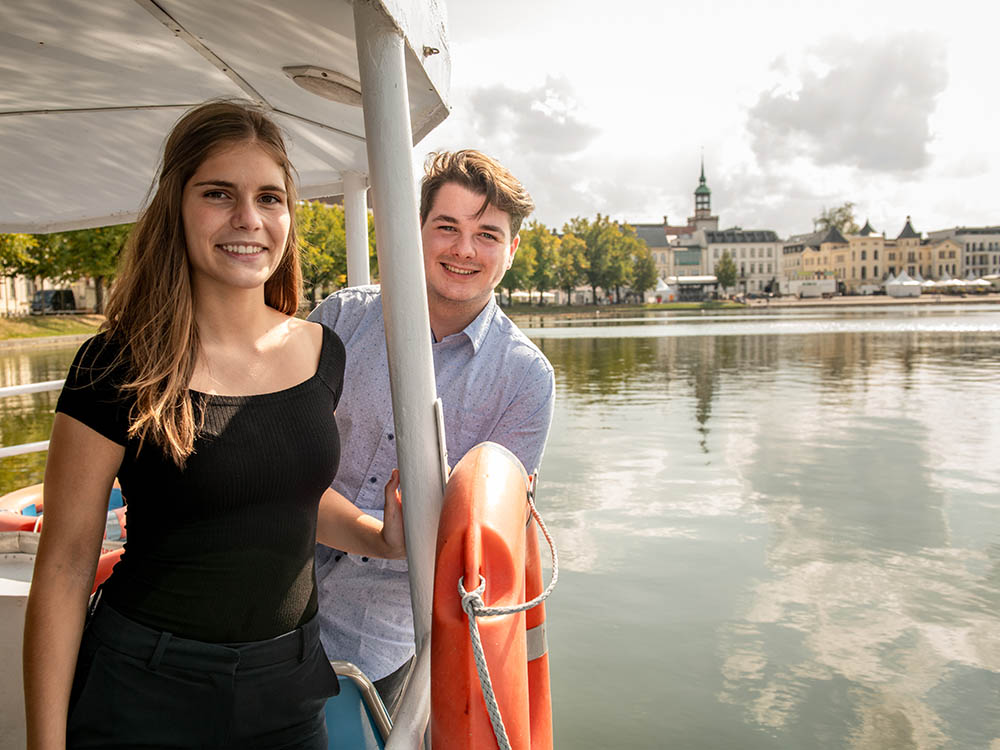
(472, 601)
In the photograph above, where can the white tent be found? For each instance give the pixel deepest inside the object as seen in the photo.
(902, 286)
(664, 292)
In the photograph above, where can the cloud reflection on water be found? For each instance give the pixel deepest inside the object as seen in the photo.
(866, 461)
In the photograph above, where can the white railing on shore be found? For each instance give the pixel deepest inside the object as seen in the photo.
(20, 390)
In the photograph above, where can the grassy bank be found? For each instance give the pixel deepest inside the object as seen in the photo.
(521, 308)
(38, 326)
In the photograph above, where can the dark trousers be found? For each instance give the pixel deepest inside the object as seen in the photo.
(390, 687)
(140, 688)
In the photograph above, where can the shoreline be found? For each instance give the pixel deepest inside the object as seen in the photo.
(524, 312)
(527, 312)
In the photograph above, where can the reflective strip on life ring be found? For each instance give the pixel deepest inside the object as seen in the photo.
(486, 530)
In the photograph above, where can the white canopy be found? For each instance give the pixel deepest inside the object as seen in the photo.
(96, 87)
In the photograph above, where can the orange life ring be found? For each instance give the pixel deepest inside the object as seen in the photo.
(105, 563)
(486, 530)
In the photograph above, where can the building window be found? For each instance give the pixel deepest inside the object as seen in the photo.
(864, 255)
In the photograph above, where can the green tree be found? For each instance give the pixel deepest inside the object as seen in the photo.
(545, 244)
(15, 252)
(619, 263)
(45, 258)
(643, 270)
(91, 253)
(323, 245)
(571, 264)
(725, 271)
(519, 274)
(598, 237)
(841, 217)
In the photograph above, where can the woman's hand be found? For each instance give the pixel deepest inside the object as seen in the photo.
(392, 520)
(342, 525)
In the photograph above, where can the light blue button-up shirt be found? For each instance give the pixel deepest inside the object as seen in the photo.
(494, 384)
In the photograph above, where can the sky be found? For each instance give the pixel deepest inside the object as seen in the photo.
(797, 105)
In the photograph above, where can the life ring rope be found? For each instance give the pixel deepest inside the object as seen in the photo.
(475, 607)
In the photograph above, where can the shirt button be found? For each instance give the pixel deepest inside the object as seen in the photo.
(364, 559)
(373, 480)
(389, 436)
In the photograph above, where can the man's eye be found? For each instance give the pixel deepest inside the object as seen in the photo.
(487, 235)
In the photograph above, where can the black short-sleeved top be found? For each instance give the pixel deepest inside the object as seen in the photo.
(221, 551)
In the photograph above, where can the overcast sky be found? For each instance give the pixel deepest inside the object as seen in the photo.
(798, 104)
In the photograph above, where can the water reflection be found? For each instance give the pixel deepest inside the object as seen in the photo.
(824, 504)
(28, 418)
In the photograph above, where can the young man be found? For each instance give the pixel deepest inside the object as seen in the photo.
(493, 381)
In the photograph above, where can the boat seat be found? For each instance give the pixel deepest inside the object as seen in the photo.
(350, 716)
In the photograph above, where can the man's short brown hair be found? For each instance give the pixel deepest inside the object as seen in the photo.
(482, 175)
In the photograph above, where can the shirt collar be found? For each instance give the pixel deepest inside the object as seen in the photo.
(476, 330)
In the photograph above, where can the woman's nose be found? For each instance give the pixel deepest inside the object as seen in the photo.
(246, 215)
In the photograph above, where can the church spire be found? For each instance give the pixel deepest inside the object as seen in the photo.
(702, 195)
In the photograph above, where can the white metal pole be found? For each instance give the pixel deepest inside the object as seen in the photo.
(404, 299)
(356, 228)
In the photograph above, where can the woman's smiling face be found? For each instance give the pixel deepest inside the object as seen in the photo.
(236, 218)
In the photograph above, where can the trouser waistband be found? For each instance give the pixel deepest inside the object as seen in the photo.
(117, 632)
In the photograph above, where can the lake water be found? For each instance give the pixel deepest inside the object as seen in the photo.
(776, 529)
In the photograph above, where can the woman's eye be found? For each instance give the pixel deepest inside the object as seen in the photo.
(215, 194)
(271, 200)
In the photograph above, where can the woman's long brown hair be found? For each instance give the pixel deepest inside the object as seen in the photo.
(151, 309)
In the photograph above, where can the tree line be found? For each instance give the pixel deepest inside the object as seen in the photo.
(599, 253)
(65, 257)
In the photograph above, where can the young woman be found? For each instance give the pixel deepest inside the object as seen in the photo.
(214, 407)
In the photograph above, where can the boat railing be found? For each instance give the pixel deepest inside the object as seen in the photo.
(20, 390)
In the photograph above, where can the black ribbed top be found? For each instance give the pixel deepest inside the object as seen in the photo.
(221, 551)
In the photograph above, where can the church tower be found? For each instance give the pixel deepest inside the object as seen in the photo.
(703, 218)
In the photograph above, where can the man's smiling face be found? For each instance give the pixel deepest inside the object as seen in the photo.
(465, 254)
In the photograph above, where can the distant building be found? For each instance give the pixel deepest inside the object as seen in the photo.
(693, 249)
(980, 249)
(756, 253)
(868, 257)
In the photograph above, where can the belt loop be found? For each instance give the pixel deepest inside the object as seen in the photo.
(302, 644)
(95, 599)
(161, 646)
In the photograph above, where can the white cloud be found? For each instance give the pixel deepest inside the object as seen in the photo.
(865, 104)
